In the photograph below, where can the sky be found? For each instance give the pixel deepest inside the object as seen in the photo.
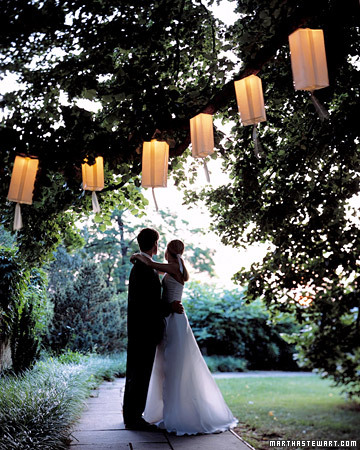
(227, 260)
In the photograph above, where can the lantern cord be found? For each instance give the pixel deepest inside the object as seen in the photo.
(206, 171)
(257, 144)
(18, 223)
(95, 202)
(156, 205)
(320, 108)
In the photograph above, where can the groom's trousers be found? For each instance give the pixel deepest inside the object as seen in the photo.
(140, 359)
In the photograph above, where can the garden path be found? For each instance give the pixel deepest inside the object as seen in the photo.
(101, 427)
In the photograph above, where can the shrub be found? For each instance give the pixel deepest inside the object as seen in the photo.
(224, 325)
(225, 364)
(87, 316)
(25, 309)
(37, 408)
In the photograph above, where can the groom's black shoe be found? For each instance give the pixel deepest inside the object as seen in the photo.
(141, 425)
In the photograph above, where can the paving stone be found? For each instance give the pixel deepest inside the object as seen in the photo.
(103, 447)
(222, 441)
(116, 437)
(97, 421)
(151, 446)
(102, 408)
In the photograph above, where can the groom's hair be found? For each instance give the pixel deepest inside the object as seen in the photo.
(147, 239)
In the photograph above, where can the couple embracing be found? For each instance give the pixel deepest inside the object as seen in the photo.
(168, 384)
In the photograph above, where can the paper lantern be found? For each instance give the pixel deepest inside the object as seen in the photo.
(250, 100)
(202, 135)
(308, 59)
(202, 138)
(93, 179)
(22, 185)
(155, 160)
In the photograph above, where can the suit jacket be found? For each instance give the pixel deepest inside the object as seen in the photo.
(146, 309)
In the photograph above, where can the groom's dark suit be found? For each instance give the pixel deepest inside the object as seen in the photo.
(146, 324)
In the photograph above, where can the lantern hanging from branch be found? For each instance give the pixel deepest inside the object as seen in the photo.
(22, 185)
(202, 138)
(250, 100)
(155, 160)
(93, 179)
(308, 63)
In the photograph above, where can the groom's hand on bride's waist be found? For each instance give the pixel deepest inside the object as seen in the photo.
(177, 307)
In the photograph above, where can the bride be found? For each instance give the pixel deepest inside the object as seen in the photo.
(183, 397)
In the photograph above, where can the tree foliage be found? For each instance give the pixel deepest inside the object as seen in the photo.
(138, 61)
(150, 67)
(112, 246)
(87, 316)
(297, 196)
(224, 325)
(25, 311)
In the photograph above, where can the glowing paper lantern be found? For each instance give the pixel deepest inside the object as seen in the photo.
(308, 59)
(155, 160)
(22, 185)
(250, 100)
(93, 179)
(202, 138)
(308, 63)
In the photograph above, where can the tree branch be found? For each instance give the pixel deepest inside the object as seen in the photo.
(226, 94)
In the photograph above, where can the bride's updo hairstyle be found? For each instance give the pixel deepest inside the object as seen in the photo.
(176, 248)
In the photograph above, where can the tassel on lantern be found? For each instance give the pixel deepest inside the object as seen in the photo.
(207, 175)
(95, 202)
(18, 223)
(153, 194)
(320, 108)
(258, 150)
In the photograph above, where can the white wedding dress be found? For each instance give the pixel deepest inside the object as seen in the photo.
(183, 397)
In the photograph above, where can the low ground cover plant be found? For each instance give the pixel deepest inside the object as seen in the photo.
(38, 406)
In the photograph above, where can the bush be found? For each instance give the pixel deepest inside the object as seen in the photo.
(331, 345)
(224, 325)
(25, 309)
(87, 316)
(225, 364)
(37, 408)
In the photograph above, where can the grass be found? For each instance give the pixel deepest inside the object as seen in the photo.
(295, 408)
(38, 407)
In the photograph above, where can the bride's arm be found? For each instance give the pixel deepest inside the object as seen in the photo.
(171, 268)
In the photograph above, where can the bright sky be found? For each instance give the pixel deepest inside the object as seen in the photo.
(227, 260)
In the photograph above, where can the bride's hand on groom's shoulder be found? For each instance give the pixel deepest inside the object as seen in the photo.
(177, 307)
(133, 257)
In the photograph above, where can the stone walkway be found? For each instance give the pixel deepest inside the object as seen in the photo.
(102, 427)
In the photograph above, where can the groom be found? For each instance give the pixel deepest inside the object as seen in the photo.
(146, 325)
